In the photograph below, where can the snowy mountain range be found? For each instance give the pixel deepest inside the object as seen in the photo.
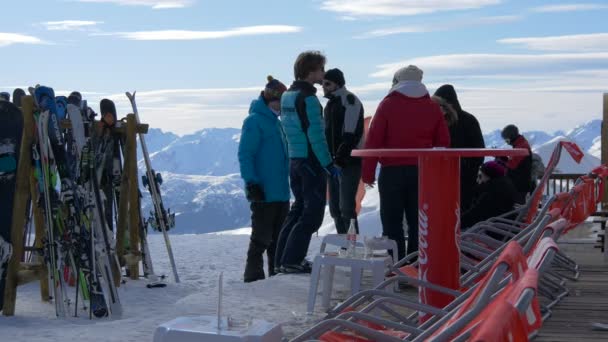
(202, 184)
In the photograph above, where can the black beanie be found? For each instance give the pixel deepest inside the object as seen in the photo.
(336, 76)
(510, 132)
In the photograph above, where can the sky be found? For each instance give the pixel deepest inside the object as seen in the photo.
(542, 65)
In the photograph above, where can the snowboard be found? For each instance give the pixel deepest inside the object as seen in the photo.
(17, 95)
(11, 128)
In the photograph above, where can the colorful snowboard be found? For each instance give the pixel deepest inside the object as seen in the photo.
(11, 128)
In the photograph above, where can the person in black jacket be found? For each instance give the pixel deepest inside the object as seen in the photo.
(464, 133)
(344, 132)
(494, 195)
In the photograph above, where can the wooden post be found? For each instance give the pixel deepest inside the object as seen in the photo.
(131, 147)
(22, 196)
(40, 234)
(120, 127)
(123, 212)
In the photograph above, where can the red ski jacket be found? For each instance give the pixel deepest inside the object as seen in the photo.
(402, 121)
(520, 142)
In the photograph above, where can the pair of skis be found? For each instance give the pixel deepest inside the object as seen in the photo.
(160, 214)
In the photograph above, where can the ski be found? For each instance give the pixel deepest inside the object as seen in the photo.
(160, 216)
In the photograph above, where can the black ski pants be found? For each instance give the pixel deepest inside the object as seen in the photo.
(398, 186)
(266, 222)
(342, 196)
(308, 183)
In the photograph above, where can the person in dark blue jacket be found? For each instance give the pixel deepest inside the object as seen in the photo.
(264, 167)
(310, 163)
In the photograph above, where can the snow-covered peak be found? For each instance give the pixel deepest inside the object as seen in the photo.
(211, 151)
(202, 183)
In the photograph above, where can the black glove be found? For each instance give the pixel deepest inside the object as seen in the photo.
(342, 155)
(255, 193)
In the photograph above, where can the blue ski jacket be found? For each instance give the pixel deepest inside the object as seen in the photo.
(262, 153)
(302, 119)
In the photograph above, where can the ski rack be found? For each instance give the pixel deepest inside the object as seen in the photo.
(21, 273)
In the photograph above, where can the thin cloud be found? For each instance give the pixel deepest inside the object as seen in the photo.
(499, 19)
(577, 42)
(191, 92)
(557, 94)
(492, 62)
(190, 109)
(69, 25)
(437, 27)
(366, 8)
(7, 39)
(201, 35)
(569, 8)
(398, 30)
(154, 4)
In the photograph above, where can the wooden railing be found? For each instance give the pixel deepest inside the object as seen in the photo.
(560, 182)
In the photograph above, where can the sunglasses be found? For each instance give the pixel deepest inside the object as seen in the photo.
(328, 83)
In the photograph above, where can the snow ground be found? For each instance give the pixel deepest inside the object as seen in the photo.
(200, 259)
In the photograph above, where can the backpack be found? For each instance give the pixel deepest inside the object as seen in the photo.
(538, 168)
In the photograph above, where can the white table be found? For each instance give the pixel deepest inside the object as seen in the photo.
(324, 266)
(205, 328)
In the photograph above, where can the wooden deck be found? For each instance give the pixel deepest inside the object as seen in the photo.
(587, 303)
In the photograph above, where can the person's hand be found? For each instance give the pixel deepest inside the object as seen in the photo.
(255, 193)
(333, 170)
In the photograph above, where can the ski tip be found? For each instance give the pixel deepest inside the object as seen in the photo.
(599, 326)
(32, 92)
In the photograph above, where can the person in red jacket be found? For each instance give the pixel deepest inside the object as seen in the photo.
(519, 168)
(406, 118)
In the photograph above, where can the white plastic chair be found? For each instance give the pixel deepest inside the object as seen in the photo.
(323, 268)
(324, 265)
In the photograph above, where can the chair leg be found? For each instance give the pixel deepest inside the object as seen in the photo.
(378, 275)
(355, 280)
(328, 282)
(314, 285)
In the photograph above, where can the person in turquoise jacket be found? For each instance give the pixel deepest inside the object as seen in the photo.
(264, 165)
(310, 163)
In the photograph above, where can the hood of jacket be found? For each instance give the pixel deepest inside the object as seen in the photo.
(413, 89)
(448, 93)
(259, 106)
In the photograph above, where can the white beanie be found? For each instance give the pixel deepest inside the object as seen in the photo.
(409, 73)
